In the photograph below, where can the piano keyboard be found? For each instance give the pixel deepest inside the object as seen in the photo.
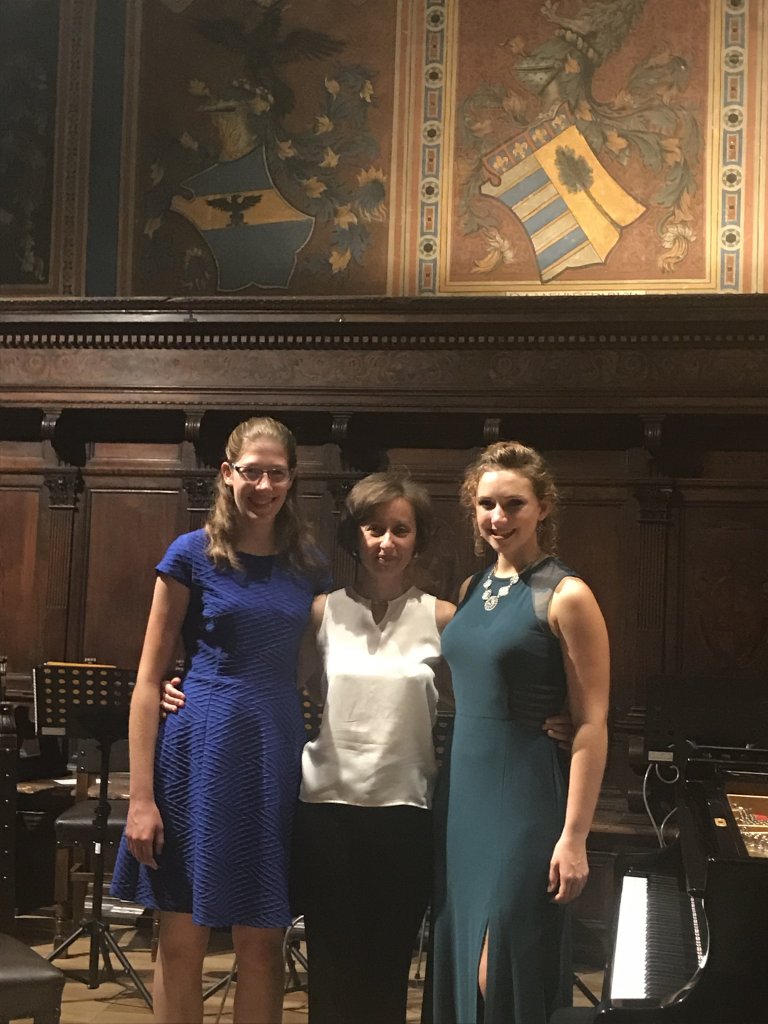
(658, 945)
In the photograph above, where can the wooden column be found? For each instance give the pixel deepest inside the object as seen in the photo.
(64, 483)
(655, 516)
(197, 480)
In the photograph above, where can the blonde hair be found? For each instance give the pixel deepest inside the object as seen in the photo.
(293, 535)
(513, 455)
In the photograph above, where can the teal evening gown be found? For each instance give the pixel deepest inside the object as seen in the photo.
(500, 810)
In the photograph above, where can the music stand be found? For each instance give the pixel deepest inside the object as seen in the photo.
(83, 701)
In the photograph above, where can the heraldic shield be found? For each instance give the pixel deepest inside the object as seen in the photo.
(252, 230)
(571, 208)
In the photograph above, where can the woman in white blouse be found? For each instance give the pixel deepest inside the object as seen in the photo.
(363, 833)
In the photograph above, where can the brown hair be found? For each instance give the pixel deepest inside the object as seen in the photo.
(379, 489)
(529, 463)
(293, 535)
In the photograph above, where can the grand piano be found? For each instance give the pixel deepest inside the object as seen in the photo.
(691, 933)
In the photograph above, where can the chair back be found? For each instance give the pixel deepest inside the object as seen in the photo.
(88, 766)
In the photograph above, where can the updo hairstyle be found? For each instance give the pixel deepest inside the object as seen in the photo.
(513, 455)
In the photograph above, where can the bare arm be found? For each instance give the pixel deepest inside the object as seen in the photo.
(578, 622)
(310, 676)
(144, 830)
(444, 612)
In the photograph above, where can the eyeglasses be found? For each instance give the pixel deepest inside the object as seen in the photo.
(253, 474)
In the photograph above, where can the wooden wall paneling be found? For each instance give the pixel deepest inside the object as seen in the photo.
(723, 592)
(35, 544)
(129, 532)
(199, 490)
(597, 540)
(20, 599)
(323, 484)
(133, 507)
(342, 564)
(593, 542)
(657, 539)
(197, 478)
(62, 489)
(450, 557)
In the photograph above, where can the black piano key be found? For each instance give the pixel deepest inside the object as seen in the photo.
(671, 958)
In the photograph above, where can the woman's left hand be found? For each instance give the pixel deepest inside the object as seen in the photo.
(172, 697)
(568, 870)
(560, 728)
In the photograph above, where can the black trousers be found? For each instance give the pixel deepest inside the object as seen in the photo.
(362, 880)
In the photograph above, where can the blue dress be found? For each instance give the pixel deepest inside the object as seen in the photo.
(499, 810)
(228, 765)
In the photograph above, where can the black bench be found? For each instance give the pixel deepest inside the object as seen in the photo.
(29, 985)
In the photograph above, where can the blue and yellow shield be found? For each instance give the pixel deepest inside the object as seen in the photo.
(571, 208)
(252, 230)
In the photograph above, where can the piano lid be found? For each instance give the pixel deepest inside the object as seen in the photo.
(726, 711)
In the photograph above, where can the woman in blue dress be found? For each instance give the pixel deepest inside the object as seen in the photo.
(213, 791)
(512, 823)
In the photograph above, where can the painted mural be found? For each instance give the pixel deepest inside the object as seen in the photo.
(580, 145)
(402, 147)
(28, 72)
(263, 165)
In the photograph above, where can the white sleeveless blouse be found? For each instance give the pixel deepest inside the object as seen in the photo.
(374, 748)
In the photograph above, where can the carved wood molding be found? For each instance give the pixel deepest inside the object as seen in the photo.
(199, 488)
(64, 486)
(546, 322)
(234, 339)
(498, 383)
(647, 356)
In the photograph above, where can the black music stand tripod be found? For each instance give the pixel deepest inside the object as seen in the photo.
(91, 702)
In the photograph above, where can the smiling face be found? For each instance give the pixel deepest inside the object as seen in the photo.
(507, 513)
(388, 540)
(259, 502)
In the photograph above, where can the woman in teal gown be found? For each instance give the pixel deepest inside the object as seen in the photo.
(512, 820)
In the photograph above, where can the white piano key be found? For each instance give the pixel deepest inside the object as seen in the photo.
(628, 975)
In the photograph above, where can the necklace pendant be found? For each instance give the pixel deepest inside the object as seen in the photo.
(490, 602)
